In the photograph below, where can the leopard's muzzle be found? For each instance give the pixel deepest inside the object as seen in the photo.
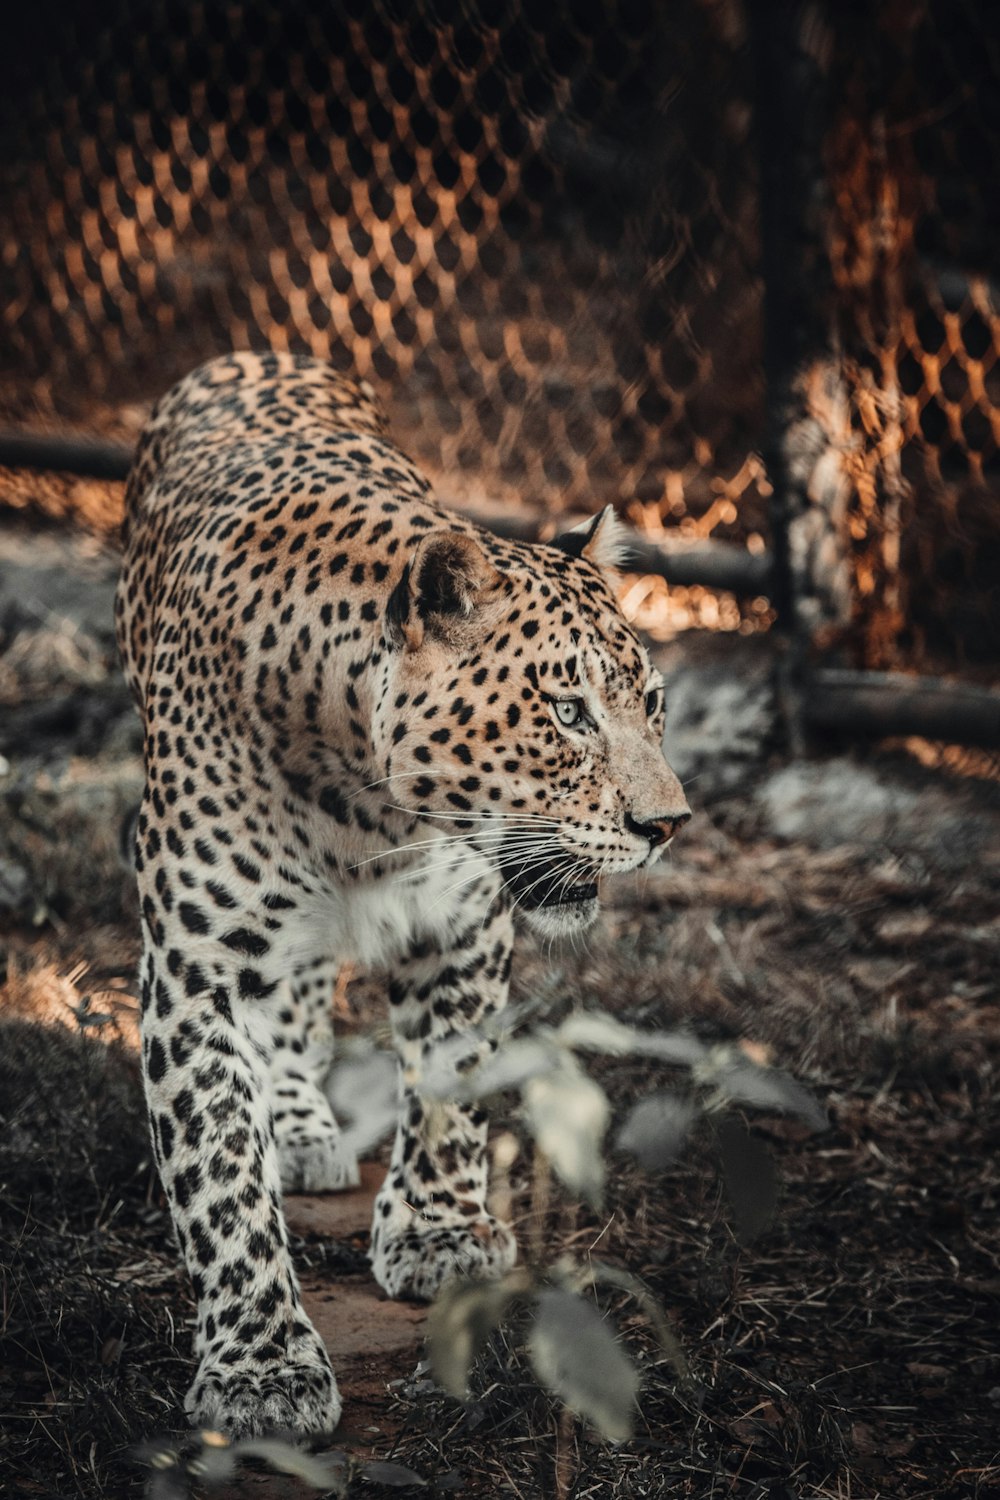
(556, 891)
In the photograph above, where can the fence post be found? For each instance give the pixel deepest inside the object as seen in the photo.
(807, 427)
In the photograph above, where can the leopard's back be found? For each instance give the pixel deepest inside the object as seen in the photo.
(249, 457)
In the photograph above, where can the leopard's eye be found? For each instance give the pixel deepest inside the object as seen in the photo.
(654, 701)
(569, 711)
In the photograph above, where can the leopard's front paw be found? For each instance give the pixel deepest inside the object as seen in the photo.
(415, 1258)
(251, 1397)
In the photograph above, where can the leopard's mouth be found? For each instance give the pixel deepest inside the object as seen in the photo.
(569, 896)
(545, 883)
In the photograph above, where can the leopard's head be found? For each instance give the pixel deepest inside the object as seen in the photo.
(522, 714)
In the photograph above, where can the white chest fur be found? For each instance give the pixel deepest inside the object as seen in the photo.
(373, 921)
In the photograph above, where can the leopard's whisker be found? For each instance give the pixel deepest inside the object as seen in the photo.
(437, 869)
(468, 817)
(444, 840)
(384, 780)
(466, 835)
(520, 895)
(526, 848)
(498, 897)
(540, 854)
(459, 885)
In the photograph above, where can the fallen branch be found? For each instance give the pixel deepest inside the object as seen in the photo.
(88, 458)
(884, 705)
(713, 565)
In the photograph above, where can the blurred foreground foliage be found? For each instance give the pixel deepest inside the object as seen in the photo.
(572, 1349)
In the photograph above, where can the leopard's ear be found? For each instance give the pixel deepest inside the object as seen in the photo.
(444, 586)
(600, 540)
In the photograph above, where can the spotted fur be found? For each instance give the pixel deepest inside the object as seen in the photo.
(371, 731)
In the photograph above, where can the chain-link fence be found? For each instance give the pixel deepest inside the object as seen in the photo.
(537, 228)
(913, 149)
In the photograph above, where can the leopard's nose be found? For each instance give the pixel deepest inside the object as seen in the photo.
(658, 829)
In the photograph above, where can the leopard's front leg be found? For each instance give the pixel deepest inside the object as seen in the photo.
(204, 976)
(431, 1221)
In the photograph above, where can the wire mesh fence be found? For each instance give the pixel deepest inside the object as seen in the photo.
(537, 229)
(914, 234)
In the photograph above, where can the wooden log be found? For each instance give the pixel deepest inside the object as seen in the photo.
(713, 565)
(884, 705)
(88, 458)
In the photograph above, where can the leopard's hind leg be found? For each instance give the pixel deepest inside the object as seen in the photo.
(311, 1150)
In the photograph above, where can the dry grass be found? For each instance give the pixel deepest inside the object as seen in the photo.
(92, 1296)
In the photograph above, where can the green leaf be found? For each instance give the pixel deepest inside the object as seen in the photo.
(324, 1471)
(656, 1129)
(513, 1064)
(603, 1274)
(594, 1031)
(740, 1081)
(750, 1178)
(364, 1089)
(444, 1067)
(577, 1357)
(213, 1464)
(460, 1322)
(166, 1487)
(396, 1476)
(568, 1114)
(446, 1072)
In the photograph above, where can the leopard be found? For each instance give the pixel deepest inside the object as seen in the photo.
(373, 733)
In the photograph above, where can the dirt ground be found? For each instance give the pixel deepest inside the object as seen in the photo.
(840, 917)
